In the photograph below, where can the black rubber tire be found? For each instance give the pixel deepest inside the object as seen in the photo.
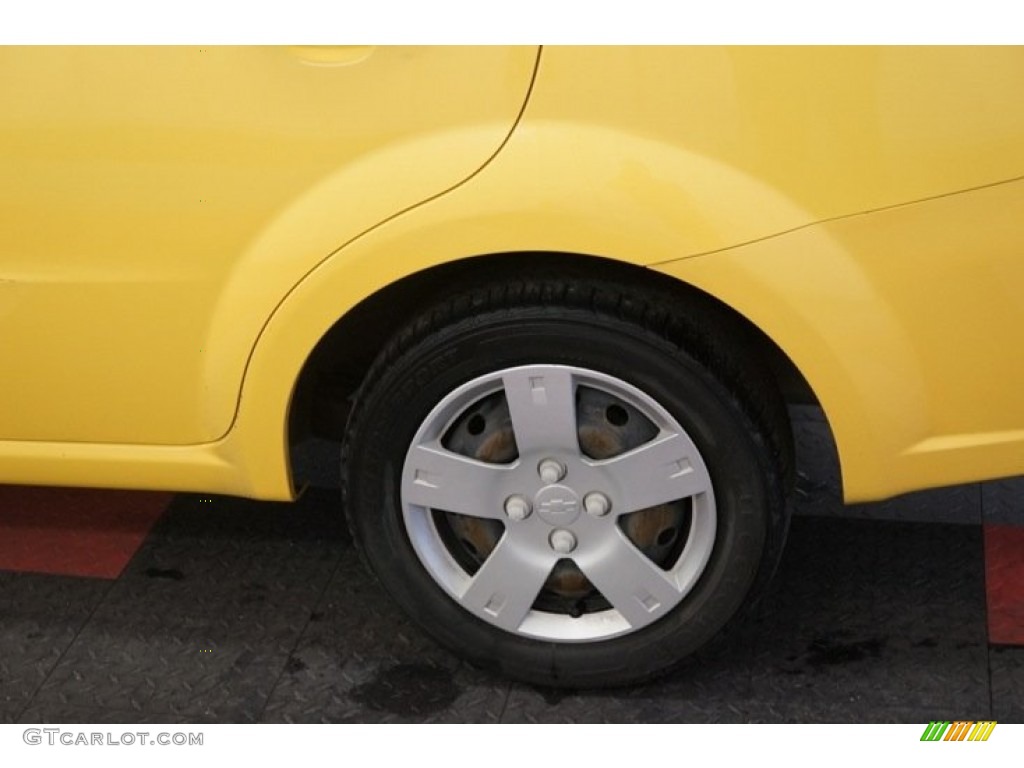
(695, 363)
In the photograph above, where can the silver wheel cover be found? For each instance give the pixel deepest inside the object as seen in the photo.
(557, 503)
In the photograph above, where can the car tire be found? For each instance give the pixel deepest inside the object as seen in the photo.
(568, 481)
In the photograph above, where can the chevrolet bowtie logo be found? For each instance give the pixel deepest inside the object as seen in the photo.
(559, 506)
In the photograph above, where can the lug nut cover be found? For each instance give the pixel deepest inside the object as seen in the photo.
(562, 541)
(550, 471)
(597, 504)
(517, 508)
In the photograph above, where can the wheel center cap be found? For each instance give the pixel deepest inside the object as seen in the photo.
(557, 504)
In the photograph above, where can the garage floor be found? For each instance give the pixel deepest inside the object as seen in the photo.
(211, 609)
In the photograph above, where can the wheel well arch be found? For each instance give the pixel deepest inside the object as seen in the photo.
(338, 363)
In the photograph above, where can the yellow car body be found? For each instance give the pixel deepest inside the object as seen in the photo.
(181, 228)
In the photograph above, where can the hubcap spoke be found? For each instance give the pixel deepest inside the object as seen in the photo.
(542, 404)
(508, 582)
(439, 479)
(656, 473)
(635, 586)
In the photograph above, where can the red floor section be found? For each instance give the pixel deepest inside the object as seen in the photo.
(1004, 583)
(72, 531)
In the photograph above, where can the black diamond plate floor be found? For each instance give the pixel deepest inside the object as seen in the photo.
(241, 611)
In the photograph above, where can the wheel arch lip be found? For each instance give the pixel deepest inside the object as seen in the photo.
(258, 439)
(503, 209)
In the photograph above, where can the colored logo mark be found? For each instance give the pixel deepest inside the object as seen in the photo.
(958, 731)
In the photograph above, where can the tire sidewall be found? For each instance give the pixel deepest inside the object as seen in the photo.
(396, 401)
